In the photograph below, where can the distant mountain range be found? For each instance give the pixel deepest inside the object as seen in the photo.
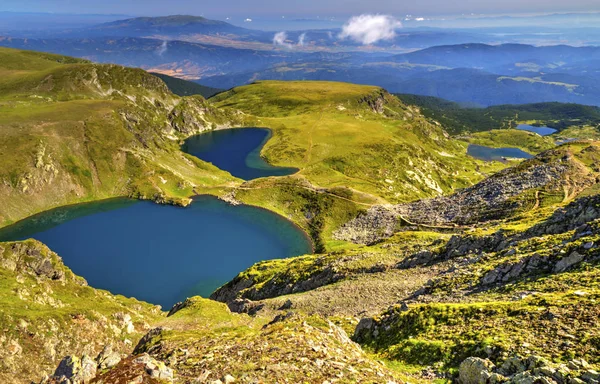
(179, 58)
(505, 58)
(202, 30)
(221, 55)
(168, 26)
(476, 74)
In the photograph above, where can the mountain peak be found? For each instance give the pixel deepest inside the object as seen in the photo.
(173, 25)
(172, 20)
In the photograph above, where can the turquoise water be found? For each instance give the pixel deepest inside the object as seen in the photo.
(496, 154)
(236, 151)
(162, 254)
(542, 131)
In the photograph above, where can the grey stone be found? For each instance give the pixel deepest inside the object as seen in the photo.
(512, 365)
(569, 261)
(475, 371)
(364, 327)
(590, 375)
(524, 378)
(578, 364)
(76, 370)
(108, 358)
(287, 305)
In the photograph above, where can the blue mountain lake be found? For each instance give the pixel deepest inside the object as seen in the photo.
(161, 254)
(496, 154)
(542, 131)
(236, 151)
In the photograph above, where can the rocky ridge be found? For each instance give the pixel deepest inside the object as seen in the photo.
(530, 369)
(47, 312)
(554, 172)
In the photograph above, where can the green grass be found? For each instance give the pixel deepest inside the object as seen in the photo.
(498, 138)
(590, 132)
(449, 333)
(333, 133)
(72, 131)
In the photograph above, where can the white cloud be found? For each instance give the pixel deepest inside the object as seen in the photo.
(280, 40)
(248, 20)
(162, 49)
(330, 34)
(301, 39)
(369, 29)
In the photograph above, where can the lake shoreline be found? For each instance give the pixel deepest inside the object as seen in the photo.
(266, 227)
(238, 151)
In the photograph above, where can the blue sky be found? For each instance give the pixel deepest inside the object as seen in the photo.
(304, 8)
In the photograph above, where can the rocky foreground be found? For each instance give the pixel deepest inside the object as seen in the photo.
(505, 301)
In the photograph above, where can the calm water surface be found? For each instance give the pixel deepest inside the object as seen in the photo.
(496, 154)
(542, 131)
(162, 254)
(236, 151)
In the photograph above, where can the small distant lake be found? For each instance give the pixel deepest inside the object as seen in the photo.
(162, 254)
(496, 154)
(564, 141)
(236, 151)
(542, 131)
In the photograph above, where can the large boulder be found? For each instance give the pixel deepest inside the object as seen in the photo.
(76, 370)
(108, 358)
(475, 370)
(569, 261)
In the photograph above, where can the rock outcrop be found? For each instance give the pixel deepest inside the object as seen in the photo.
(530, 369)
(75, 370)
(50, 312)
(502, 195)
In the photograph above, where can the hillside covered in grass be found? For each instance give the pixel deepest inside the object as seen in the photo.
(514, 286)
(428, 265)
(360, 137)
(73, 131)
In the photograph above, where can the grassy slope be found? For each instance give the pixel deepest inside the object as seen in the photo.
(293, 349)
(539, 312)
(450, 314)
(355, 136)
(497, 138)
(580, 132)
(72, 131)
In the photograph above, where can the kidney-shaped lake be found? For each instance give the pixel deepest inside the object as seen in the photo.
(236, 151)
(162, 254)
